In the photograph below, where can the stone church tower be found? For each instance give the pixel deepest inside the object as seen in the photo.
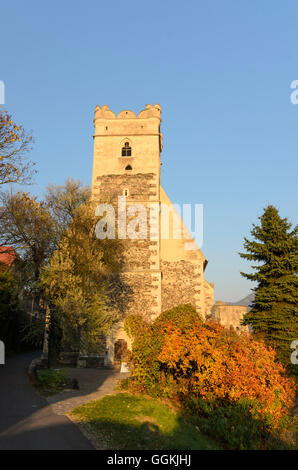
(160, 272)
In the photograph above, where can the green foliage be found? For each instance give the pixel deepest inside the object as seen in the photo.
(27, 226)
(63, 202)
(7, 299)
(51, 381)
(183, 316)
(64, 264)
(145, 349)
(10, 314)
(236, 426)
(54, 337)
(76, 281)
(33, 331)
(35, 229)
(18, 330)
(274, 313)
(148, 371)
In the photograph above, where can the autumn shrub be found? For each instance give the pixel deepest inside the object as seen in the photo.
(149, 373)
(211, 371)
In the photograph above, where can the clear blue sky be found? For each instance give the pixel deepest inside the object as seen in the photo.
(221, 71)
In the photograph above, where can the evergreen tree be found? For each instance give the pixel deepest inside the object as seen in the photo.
(274, 311)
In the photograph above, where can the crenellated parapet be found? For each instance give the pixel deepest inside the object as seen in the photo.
(149, 112)
(104, 113)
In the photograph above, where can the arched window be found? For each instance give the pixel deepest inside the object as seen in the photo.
(126, 150)
(128, 167)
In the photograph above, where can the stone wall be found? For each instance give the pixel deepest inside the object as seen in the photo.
(142, 186)
(230, 315)
(181, 284)
(145, 293)
(208, 297)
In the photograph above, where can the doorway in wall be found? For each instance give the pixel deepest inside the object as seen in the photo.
(120, 351)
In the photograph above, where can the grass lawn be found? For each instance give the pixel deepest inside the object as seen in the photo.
(132, 422)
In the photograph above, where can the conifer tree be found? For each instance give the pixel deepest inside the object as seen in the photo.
(274, 312)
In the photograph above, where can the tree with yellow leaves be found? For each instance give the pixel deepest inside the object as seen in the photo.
(80, 280)
(28, 226)
(15, 142)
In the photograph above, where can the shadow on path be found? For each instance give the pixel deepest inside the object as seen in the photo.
(27, 421)
(93, 384)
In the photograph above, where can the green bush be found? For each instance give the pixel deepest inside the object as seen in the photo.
(51, 380)
(182, 316)
(233, 425)
(148, 337)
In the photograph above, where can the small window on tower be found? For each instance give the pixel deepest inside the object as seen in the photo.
(126, 192)
(128, 167)
(126, 150)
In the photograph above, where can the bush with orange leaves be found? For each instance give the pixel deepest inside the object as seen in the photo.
(203, 363)
(215, 364)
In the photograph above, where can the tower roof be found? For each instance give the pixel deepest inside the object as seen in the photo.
(8, 255)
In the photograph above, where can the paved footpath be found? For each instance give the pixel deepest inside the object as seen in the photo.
(27, 421)
(93, 383)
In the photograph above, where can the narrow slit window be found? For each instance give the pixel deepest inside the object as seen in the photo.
(126, 150)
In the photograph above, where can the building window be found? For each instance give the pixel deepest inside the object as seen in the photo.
(126, 192)
(128, 167)
(126, 150)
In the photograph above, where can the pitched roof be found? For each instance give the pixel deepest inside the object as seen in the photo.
(8, 255)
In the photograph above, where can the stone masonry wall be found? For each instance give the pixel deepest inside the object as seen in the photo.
(230, 315)
(141, 274)
(141, 186)
(145, 292)
(181, 284)
(208, 297)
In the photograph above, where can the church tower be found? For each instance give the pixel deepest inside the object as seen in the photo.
(160, 272)
(127, 163)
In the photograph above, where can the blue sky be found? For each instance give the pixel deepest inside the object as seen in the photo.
(221, 72)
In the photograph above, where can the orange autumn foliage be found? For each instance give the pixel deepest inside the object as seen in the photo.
(212, 363)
